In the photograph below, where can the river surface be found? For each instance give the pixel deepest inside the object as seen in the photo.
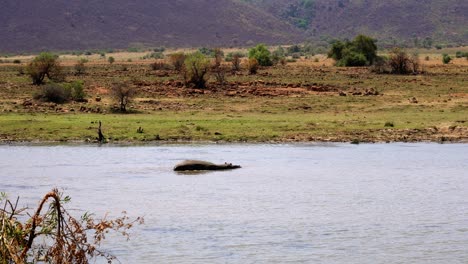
(298, 203)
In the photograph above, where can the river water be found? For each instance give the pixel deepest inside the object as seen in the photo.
(298, 203)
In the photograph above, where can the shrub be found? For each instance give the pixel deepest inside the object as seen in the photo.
(252, 65)
(177, 60)
(54, 93)
(278, 56)
(46, 64)
(220, 74)
(196, 69)
(16, 61)
(236, 60)
(359, 52)
(261, 54)
(76, 91)
(389, 124)
(401, 63)
(231, 55)
(111, 60)
(446, 58)
(80, 67)
(123, 94)
(353, 59)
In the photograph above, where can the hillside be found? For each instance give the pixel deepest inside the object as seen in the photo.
(31, 25)
(390, 21)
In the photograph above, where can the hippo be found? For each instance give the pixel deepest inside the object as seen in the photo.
(198, 165)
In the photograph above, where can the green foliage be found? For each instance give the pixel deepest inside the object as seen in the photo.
(461, 54)
(16, 61)
(196, 69)
(206, 51)
(111, 60)
(45, 64)
(359, 52)
(76, 90)
(353, 59)
(261, 54)
(446, 59)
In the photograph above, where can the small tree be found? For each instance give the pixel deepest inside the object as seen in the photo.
(196, 69)
(177, 60)
(123, 94)
(261, 54)
(46, 64)
(111, 60)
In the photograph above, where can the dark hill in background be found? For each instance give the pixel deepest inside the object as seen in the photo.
(390, 21)
(34, 25)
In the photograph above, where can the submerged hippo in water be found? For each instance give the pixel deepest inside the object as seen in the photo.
(198, 165)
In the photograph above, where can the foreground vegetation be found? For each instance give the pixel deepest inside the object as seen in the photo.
(52, 235)
(303, 97)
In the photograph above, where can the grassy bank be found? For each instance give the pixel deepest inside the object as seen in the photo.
(308, 100)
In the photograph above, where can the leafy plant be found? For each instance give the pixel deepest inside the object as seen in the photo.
(446, 59)
(359, 52)
(261, 54)
(196, 69)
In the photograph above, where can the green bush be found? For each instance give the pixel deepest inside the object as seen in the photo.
(446, 59)
(353, 59)
(352, 53)
(76, 91)
(261, 54)
(196, 69)
(111, 60)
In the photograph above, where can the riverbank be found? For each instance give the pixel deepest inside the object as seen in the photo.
(303, 101)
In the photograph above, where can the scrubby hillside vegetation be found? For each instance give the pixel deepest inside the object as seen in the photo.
(30, 25)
